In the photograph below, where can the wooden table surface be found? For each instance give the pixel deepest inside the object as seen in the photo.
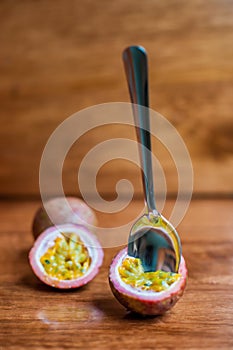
(34, 316)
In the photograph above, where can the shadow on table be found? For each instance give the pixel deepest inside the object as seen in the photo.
(112, 309)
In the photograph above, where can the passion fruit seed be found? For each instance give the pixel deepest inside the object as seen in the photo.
(131, 272)
(67, 259)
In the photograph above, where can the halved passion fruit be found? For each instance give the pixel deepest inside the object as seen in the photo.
(146, 293)
(74, 211)
(66, 256)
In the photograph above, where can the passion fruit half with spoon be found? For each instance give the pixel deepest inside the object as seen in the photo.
(145, 293)
(66, 256)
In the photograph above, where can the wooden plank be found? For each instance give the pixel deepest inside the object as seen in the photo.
(57, 59)
(34, 316)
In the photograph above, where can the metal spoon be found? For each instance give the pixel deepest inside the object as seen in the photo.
(152, 238)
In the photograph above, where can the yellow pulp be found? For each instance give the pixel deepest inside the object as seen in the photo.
(131, 272)
(67, 259)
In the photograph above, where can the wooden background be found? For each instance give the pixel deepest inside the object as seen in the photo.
(57, 58)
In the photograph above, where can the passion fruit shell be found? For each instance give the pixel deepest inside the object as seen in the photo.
(46, 241)
(77, 213)
(146, 302)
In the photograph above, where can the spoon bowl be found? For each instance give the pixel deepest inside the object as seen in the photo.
(152, 239)
(155, 241)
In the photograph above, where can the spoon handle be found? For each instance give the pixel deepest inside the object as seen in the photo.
(136, 69)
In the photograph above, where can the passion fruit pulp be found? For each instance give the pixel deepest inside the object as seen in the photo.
(66, 256)
(67, 259)
(150, 293)
(69, 210)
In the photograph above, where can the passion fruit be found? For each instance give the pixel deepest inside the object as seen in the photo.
(145, 293)
(69, 210)
(66, 256)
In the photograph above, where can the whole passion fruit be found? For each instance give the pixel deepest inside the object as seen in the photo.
(66, 256)
(145, 293)
(76, 212)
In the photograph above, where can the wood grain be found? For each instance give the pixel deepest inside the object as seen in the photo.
(58, 58)
(34, 316)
